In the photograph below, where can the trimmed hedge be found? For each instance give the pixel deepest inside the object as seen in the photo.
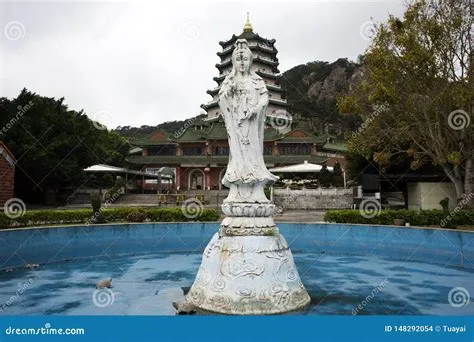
(42, 217)
(415, 218)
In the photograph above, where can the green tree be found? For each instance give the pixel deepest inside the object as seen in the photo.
(53, 144)
(324, 177)
(417, 92)
(337, 176)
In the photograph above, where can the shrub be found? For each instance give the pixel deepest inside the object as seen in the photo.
(48, 217)
(445, 203)
(96, 201)
(136, 215)
(114, 192)
(209, 215)
(433, 217)
(173, 214)
(324, 177)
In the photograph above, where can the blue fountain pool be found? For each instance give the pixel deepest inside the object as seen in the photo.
(347, 269)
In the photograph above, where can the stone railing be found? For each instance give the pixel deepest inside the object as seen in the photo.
(332, 198)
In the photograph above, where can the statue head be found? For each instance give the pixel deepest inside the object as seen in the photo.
(242, 57)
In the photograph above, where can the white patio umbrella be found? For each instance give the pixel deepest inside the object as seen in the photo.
(302, 168)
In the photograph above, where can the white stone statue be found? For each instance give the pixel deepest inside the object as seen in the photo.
(247, 267)
(243, 99)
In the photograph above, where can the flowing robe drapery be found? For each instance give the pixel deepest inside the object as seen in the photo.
(243, 103)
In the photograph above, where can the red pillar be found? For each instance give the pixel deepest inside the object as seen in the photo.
(178, 178)
(207, 172)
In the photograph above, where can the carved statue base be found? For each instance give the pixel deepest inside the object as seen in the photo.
(247, 268)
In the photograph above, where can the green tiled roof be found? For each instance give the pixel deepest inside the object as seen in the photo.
(228, 52)
(221, 160)
(215, 130)
(148, 142)
(249, 36)
(309, 140)
(258, 59)
(215, 104)
(336, 146)
(190, 135)
(209, 105)
(177, 160)
(264, 74)
(158, 137)
(271, 134)
(277, 89)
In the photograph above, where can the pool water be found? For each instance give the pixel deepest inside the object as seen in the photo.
(337, 284)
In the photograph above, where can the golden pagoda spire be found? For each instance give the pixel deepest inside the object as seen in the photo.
(248, 26)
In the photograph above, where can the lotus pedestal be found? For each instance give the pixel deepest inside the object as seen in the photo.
(247, 268)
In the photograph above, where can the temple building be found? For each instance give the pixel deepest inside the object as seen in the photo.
(265, 64)
(199, 152)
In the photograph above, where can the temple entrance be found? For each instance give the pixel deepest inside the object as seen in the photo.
(196, 180)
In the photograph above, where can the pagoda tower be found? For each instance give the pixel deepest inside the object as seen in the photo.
(265, 64)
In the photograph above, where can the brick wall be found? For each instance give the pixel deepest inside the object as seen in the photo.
(7, 179)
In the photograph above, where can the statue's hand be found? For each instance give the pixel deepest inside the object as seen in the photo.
(232, 90)
(253, 111)
(227, 90)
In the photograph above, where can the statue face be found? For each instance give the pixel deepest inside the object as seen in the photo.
(242, 62)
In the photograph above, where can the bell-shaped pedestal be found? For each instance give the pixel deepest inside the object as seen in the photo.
(247, 268)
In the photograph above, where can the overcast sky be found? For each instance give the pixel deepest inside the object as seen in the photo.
(143, 63)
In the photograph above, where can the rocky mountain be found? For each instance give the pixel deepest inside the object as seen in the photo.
(311, 90)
